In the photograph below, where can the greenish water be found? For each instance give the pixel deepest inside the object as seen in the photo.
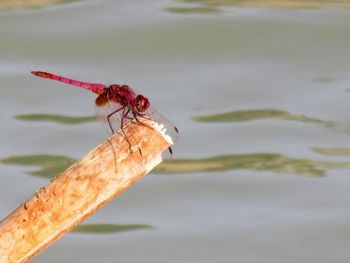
(55, 118)
(193, 10)
(23, 4)
(108, 228)
(50, 165)
(249, 115)
(260, 96)
(333, 151)
(215, 6)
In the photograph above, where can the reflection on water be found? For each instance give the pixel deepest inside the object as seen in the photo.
(256, 114)
(233, 116)
(254, 161)
(332, 151)
(62, 119)
(213, 6)
(109, 228)
(334, 165)
(50, 165)
(12, 4)
(194, 10)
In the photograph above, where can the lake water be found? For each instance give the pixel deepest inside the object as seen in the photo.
(236, 61)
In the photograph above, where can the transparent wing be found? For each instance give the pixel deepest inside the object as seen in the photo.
(170, 128)
(153, 114)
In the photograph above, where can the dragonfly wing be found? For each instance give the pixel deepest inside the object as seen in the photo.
(170, 128)
(153, 114)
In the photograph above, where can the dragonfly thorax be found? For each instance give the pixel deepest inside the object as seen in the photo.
(126, 96)
(121, 94)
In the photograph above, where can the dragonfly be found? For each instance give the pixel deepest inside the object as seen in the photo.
(118, 105)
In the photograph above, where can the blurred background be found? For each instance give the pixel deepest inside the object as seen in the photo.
(258, 89)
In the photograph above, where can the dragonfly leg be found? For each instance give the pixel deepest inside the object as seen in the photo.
(138, 120)
(136, 115)
(110, 115)
(125, 116)
(122, 126)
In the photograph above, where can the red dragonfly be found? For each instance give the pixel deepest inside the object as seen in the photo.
(118, 105)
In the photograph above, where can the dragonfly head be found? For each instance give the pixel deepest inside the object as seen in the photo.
(141, 103)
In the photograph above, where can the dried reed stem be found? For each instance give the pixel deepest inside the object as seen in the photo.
(78, 192)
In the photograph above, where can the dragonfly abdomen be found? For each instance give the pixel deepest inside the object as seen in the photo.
(96, 88)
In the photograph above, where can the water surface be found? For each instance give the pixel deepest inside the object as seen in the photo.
(276, 189)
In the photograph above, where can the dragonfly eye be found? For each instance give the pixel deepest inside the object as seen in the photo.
(142, 103)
